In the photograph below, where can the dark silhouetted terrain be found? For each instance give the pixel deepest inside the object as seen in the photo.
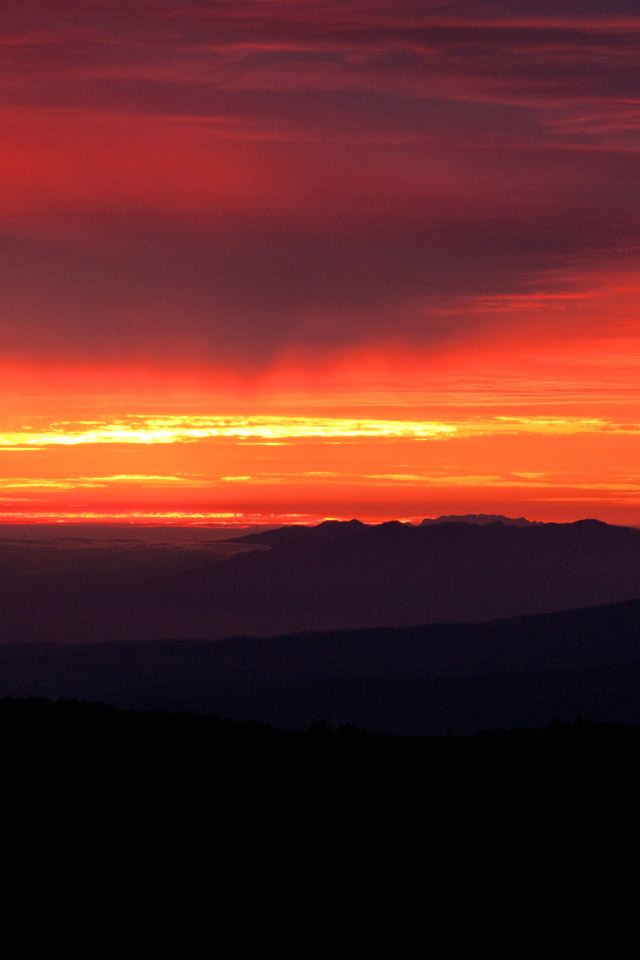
(333, 576)
(301, 839)
(419, 680)
(297, 624)
(480, 519)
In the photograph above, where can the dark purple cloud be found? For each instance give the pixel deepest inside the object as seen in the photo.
(226, 180)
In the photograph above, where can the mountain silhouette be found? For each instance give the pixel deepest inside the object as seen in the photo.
(394, 574)
(334, 576)
(480, 519)
(419, 680)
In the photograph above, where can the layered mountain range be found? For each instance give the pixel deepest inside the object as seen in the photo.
(433, 679)
(449, 626)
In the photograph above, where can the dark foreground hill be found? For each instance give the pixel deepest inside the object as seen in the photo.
(431, 679)
(182, 827)
(333, 576)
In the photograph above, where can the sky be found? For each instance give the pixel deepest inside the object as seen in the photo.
(280, 261)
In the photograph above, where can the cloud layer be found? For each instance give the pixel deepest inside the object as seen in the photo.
(235, 181)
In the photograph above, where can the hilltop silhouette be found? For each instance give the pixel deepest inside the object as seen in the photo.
(334, 576)
(394, 574)
(480, 519)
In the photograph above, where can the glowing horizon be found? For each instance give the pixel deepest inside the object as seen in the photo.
(380, 460)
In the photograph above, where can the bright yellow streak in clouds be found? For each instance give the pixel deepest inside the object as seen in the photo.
(167, 430)
(22, 483)
(236, 522)
(551, 435)
(148, 430)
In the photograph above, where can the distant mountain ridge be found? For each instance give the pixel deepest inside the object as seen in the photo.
(481, 519)
(350, 574)
(331, 530)
(337, 575)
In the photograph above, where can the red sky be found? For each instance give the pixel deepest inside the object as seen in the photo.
(273, 260)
